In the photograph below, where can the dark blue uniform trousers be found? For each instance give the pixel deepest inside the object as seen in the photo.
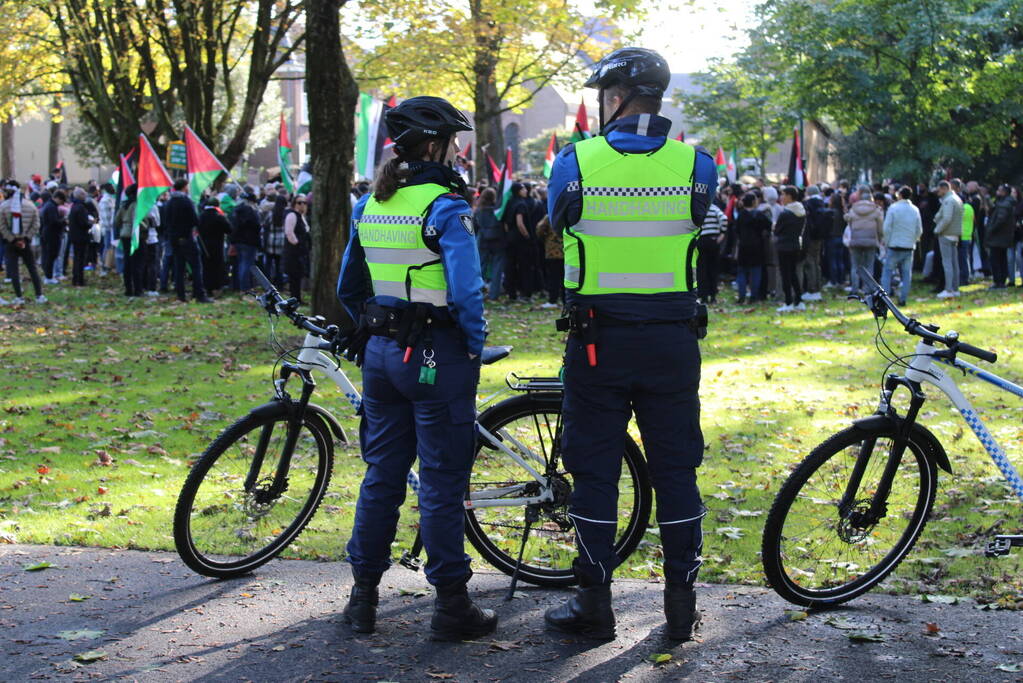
(654, 372)
(402, 420)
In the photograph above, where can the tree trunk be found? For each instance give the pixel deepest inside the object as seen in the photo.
(7, 169)
(489, 133)
(332, 95)
(54, 152)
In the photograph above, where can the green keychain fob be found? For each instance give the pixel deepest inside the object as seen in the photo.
(427, 375)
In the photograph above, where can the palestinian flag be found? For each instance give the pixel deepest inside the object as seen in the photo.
(505, 184)
(681, 136)
(367, 132)
(730, 168)
(61, 173)
(796, 176)
(124, 178)
(284, 156)
(383, 140)
(305, 179)
(720, 162)
(153, 182)
(495, 172)
(552, 151)
(582, 125)
(203, 167)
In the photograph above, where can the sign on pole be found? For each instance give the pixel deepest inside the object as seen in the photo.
(177, 157)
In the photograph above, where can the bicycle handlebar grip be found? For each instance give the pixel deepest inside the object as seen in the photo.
(969, 349)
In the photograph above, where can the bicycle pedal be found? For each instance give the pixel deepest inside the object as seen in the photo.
(410, 562)
(1002, 545)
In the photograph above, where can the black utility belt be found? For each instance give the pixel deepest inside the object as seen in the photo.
(585, 322)
(405, 325)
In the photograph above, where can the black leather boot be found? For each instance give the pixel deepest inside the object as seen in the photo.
(456, 617)
(588, 613)
(680, 612)
(361, 610)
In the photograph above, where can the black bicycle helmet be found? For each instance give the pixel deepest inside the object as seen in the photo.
(643, 72)
(421, 118)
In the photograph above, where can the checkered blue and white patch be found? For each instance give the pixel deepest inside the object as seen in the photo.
(995, 451)
(392, 220)
(669, 191)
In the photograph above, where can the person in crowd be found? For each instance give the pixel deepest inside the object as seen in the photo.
(634, 285)
(753, 231)
(492, 236)
(520, 263)
(273, 240)
(245, 238)
(965, 248)
(554, 262)
(771, 285)
(866, 229)
(134, 262)
(818, 225)
(296, 245)
(708, 248)
(901, 231)
(788, 237)
(106, 208)
(80, 221)
(17, 229)
(181, 221)
(948, 226)
(415, 288)
(999, 233)
(1016, 252)
(229, 198)
(54, 224)
(835, 250)
(214, 228)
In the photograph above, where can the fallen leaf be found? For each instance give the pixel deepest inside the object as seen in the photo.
(102, 490)
(940, 599)
(90, 656)
(279, 648)
(796, 615)
(75, 597)
(660, 658)
(840, 623)
(1011, 668)
(432, 674)
(861, 637)
(932, 629)
(38, 566)
(80, 634)
(43, 470)
(414, 592)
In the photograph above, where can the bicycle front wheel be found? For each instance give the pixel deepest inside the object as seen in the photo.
(816, 554)
(230, 518)
(496, 532)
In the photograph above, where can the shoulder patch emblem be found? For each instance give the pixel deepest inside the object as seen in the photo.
(467, 223)
(430, 231)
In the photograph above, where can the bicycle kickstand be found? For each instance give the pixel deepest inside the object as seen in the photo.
(532, 515)
(1002, 545)
(410, 558)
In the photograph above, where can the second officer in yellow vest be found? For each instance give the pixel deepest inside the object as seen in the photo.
(411, 278)
(629, 203)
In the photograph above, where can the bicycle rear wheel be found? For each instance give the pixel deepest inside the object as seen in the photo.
(224, 528)
(815, 554)
(496, 532)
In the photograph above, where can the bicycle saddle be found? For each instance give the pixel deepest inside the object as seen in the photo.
(492, 354)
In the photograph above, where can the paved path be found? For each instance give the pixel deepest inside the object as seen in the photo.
(157, 621)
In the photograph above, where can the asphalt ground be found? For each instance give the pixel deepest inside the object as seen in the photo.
(146, 617)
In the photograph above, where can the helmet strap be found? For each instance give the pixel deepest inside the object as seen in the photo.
(618, 112)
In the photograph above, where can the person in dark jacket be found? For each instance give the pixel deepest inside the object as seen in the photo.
(296, 245)
(788, 242)
(213, 229)
(245, 238)
(80, 220)
(753, 230)
(520, 268)
(53, 226)
(181, 221)
(999, 235)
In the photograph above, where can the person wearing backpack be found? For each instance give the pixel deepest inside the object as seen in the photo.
(818, 221)
(492, 241)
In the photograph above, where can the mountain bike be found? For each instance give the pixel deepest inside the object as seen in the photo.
(259, 483)
(851, 511)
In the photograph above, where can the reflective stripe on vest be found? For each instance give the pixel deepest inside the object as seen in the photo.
(636, 228)
(967, 234)
(391, 234)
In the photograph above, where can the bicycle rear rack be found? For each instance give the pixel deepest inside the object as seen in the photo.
(533, 384)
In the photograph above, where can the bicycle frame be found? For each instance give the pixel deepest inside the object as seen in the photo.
(310, 358)
(922, 369)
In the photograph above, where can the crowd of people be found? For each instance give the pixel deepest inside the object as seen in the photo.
(89, 231)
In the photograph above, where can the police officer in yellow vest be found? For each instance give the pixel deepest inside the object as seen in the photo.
(966, 245)
(629, 203)
(411, 278)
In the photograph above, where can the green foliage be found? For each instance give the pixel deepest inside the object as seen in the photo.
(919, 83)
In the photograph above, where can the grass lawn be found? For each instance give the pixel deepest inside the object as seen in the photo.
(104, 402)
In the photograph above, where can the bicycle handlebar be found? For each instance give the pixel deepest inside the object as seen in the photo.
(879, 302)
(276, 304)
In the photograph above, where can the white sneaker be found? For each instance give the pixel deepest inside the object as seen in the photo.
(847, 290)
(954, 293)
(815, 296)
(799, 307)
(42, 299)
(549, 305)
(4, 302)
(153, 292)
(7, 280)
(784, 308)
(943, 294)
(17, 301)
(50, 281)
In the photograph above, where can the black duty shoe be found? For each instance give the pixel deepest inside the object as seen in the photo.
(680, 612)
(204, 300)
(456, 617)
(361, 610)
(588, 614)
